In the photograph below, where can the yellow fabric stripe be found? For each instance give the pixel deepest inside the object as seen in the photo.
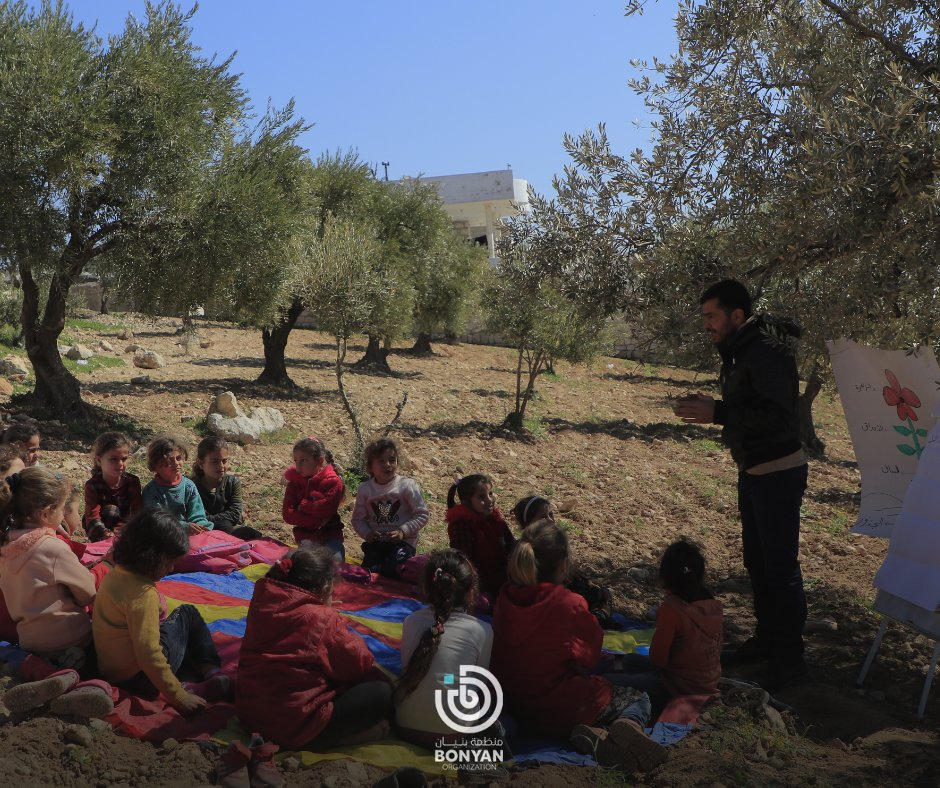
(628, 641)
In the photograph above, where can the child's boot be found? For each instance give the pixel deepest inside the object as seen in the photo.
(630, 737)
(33, 694)
(233, 772)
(263, 771)
(92, 699)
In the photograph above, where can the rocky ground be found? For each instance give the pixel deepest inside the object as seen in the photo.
(627, 478)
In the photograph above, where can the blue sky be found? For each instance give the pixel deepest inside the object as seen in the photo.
(436, 87)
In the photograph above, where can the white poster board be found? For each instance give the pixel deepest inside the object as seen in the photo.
(889, 397)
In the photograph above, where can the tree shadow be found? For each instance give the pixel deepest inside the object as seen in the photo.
(79, 433)
(500, 369)
(498, 393)
(835, 496)
(624, 429)
(479, 429)
(375, 372)
(238, 386)
(632, 377)
(332, 346)
(258, 363)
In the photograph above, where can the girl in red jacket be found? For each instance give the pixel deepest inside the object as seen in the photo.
(545, 644)
(477, 528)
(685, 655)
(304, 680)
(313, 496)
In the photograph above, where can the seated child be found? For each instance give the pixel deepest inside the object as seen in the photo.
(170, 489)
(545, 644)
(685, 655)
(10, 463)
(436, 641)
(390, 511)
(313, 496)
(138, 645)
(24, 435)
(44, 585)
(71, 522)
(112, 494)
(534, 508)
(304, 680)
(476, 527)
(220, 492)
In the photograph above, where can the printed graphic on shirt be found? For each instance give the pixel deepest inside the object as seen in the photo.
(386, 511)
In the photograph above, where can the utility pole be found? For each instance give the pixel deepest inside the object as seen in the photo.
(385, 165)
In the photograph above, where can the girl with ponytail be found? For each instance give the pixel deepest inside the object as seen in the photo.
(546, 643)
(436, 641)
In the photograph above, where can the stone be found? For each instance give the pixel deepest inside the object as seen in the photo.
(14, 367)
(639, 574)
(268, 419)
(99, 726)
(820, 625)
(125, 334)
(141, 380)
(205, 343)
(148, 359)
(77, 352)
(79, 734)
(773, 720)
(227, 405)
(169, 744)
(240, 429)
(6, 388)
(132, 348)
(290, 764)
(107, 347)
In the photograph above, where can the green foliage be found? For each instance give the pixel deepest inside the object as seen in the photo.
(197, 424)
(285, 435)
(11, 304)
(91, 364)
(83, 324)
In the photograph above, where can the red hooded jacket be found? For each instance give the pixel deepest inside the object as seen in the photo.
(296, 657)
(687, 645)
(486, 541)
(545, 643)
(311, 504)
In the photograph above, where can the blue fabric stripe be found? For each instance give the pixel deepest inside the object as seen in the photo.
(234, 585)
(229, 626)
(394, 610)
(388, 657)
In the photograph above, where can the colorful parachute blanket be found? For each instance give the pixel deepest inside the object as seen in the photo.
(375, 611)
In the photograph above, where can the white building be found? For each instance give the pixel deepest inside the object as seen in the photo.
(476, 200)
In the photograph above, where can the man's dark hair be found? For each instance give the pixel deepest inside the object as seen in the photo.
(152, 536)
(731, 295)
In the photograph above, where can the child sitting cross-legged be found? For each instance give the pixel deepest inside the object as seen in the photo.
(313, 496)
(139, 646)
(545, 645)
(221, 492)
(304, 680)
(170, 489)
(390, 511)
(112, 494)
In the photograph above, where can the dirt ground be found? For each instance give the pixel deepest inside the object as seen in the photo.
(627, 477)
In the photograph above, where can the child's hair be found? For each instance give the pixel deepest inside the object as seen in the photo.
(149, 539)
(108, 441)
(162, 447)
(464, 488)
(682, 571)
(376, 449)
(310, 568)
(26, 492)
(526, 509)
(208, 445)
(8, 453)
(450, 582)
(539, 554)
(20, 432)
(315, 448)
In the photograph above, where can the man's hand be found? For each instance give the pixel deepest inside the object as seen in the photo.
(695, 409)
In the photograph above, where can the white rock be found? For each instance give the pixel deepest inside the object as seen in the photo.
(241, 429)
(269, 419)
(13, 367)
(77, 352)
(107, 347)
(148, 359)
(125, 334)
(227, 405)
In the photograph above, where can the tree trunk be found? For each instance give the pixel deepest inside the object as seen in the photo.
(359, 439)
(515, 420)
(422, 344)
(56, 387)
(811, 441)
(275, 343)
(376, 356)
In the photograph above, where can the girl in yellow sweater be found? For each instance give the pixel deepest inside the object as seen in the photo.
(137, 643)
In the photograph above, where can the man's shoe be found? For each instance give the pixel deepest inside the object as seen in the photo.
(750, 651)
(785, 673)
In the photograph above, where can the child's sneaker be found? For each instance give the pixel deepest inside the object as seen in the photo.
(262, 770)
(233, 771)
(627, 735)
(90, 699)
(33, 694)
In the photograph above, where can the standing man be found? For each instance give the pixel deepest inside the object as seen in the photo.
(759, 415)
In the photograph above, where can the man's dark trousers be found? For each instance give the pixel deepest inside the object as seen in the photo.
(770, 530)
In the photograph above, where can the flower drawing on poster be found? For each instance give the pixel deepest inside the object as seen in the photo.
(906, 402)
